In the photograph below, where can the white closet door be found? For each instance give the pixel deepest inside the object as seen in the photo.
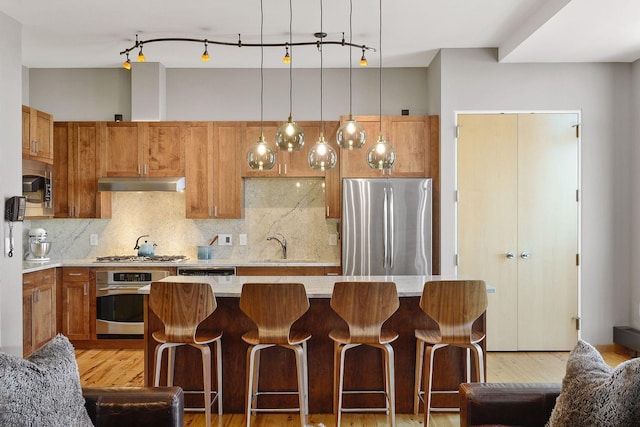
(547, 231)
(487, 217)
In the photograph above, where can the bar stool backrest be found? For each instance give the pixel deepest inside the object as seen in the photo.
(181, 307)
(365, 306)
(274, 307)
(454, 305)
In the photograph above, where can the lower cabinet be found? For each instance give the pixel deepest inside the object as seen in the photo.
(76, 303)
(287, 271)
(39, 309)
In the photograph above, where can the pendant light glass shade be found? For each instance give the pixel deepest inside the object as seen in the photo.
(290, 136)
(350, 134)
(381, 155)
(322, 156)
(261, 156)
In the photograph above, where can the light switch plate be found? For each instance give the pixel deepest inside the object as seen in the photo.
(333, 239)
(225, 240)
(243, 239)
(93, 240)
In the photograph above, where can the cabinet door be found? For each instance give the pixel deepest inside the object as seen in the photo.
(332, 181)
(164, 149)
(121, 149)
(251, 133)
(43, 135)
(44, 311)
(62, 186)
(76, 309)
(296, 163)
(228, 161)
(409, 136)
(27, 320)
(199, 170)
(87, 202)
(26, 131)
(353, 163)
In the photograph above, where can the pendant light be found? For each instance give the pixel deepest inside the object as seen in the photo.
(350, 134)
(260, 155)
(322, 156)
(290, 136)
(381, 155)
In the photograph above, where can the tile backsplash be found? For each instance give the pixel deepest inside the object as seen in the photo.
(292, 207)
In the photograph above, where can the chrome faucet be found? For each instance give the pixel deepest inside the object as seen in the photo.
(283, 244)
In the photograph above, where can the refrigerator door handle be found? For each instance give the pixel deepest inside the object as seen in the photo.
(385, 230)
(390, 235)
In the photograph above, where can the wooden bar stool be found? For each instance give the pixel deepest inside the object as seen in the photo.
(454, 305)
(182, 307)
(365, 306)
(274, 307)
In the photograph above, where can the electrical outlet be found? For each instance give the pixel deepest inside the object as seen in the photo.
(225, 240)
(243, 239)
(333, 239)
(93, 240)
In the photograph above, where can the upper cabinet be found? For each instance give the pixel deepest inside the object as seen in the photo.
(142, 149)
(76, 167)
(37, 135)
(213, 170)
(414, 138)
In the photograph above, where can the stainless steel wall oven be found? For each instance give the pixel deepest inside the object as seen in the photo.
(119, 305)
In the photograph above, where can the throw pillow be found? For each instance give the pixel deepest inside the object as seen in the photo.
(594, 394)
(42, 390)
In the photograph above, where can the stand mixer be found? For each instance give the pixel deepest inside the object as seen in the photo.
(39, 247)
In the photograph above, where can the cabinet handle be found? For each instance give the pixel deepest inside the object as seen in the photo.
(524, 255)
(285, 168)
(279, 169)
(215, 211)
(327, 211)
(86, 289)
(75, 274)
(509, 255)
(36, 295)
(35, 146)
(146, 169)
(138, 168)
(26, 282)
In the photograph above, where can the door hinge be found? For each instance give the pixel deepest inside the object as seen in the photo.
(577, 319)
(457, 131)
(577, 130)
(577, 195)
(577, 259)
(455, 196)
(455, 260)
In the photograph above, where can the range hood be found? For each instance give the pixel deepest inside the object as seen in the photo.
(141, 184)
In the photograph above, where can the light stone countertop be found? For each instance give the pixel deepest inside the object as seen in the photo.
(316, 286)
(30, 266)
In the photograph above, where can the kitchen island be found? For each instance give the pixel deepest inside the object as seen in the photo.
(363, 364)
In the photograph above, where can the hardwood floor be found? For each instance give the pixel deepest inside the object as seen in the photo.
(125, 368)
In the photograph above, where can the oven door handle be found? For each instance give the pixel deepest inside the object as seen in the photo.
(103, 291)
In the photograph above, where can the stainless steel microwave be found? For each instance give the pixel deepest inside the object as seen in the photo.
(37, 187)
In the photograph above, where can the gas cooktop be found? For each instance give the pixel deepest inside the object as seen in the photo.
(135, 258)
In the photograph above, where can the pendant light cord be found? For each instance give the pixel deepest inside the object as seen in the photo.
(350, 42)
(380, 66)
(261, 70)
(321, 67)
(290, 59)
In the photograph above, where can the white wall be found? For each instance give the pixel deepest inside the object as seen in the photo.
(230, 94)
(10, 184)
(635, 197)
(473, 80)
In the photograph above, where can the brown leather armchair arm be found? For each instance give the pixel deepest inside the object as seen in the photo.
(135, 406)
(513, 404)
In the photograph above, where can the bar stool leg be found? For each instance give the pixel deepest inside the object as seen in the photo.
(302, 393)
(418, 375)
(390, 381)
(206, 380)
(219, 374)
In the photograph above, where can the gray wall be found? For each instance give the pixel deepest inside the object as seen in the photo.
(635, 197)
(10, 183)
(473, 80)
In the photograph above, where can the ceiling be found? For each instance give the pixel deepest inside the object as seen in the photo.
(88, 34)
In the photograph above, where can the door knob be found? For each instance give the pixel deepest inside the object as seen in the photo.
(509, 255)
(524, 255)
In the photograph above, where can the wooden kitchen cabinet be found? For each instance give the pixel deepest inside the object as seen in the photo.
(332, 178)
(213, 170)
(414, 138)
(77, 297)
(287, 271)
(37, 135)
(75, 177)
(39, 309)
(163, 151)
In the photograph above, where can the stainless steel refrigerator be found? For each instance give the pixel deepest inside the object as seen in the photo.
(386, 227)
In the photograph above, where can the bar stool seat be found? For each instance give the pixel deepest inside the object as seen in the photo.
(274, 307)
(364, 306)
(182, 307)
